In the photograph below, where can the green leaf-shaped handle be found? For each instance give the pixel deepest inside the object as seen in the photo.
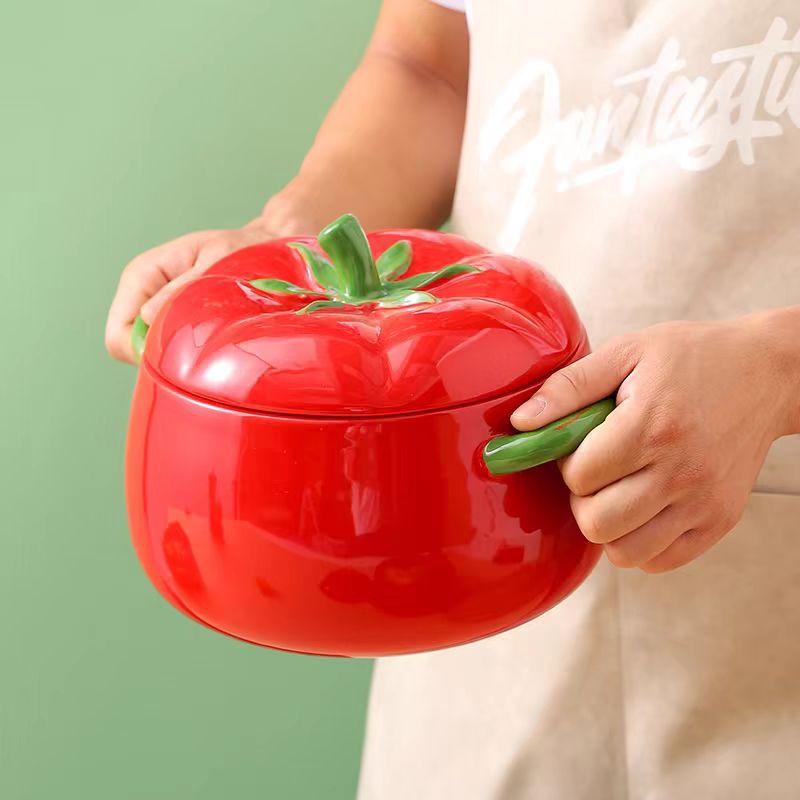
(138, 335)
(323, 271)
(394, 261)
(506, 454)
(425, 278)
(277, 286)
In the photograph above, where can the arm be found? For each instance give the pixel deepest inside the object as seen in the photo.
(387, 151)
(698, 406)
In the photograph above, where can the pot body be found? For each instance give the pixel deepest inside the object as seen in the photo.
(349, 537)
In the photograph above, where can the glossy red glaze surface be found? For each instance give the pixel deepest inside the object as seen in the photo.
(344, 537)
(314, 482)
(226, 341)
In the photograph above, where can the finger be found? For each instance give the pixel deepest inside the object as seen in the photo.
(209, 256)
(254, 232)
(620, 508)
(149, 309)
(582, 383)
(648, 540)
(140, 280)
(687, 547)
(205, 258)
(119, 345)
(609, 453)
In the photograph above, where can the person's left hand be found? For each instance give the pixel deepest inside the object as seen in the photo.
(669, 472)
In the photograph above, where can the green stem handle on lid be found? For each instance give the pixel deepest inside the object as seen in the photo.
(347, 245)
(506, 454)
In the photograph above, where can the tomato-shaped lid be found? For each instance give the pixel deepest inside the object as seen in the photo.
(396, 322)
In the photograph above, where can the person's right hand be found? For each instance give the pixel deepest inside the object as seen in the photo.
(152, 277)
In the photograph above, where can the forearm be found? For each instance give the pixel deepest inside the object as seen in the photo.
(388, 149)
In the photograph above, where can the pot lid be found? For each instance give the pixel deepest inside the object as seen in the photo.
(397, 322)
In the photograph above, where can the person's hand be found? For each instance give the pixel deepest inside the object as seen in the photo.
(698, 406)
(152, 277)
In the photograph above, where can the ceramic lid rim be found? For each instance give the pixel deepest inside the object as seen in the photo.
(158, 377)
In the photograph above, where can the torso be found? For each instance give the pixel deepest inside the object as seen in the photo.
(637, 686)
(646, 153)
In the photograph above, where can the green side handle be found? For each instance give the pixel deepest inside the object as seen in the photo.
(504, 455)
(138, 334)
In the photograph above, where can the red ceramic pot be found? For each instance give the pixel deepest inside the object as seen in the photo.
(305, 463)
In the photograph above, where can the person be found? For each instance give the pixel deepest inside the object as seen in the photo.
(647, 152)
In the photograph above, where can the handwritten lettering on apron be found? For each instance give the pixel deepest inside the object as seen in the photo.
(663, 115)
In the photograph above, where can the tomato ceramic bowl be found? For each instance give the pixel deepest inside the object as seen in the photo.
(304, 462)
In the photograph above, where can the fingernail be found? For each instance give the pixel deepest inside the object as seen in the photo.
(530, 409)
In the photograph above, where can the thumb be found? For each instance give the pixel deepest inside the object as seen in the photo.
(205, 255)
(578, 385)
(149, 310)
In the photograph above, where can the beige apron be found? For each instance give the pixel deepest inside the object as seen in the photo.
(648, 153)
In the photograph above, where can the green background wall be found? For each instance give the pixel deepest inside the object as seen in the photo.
(123, 125)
